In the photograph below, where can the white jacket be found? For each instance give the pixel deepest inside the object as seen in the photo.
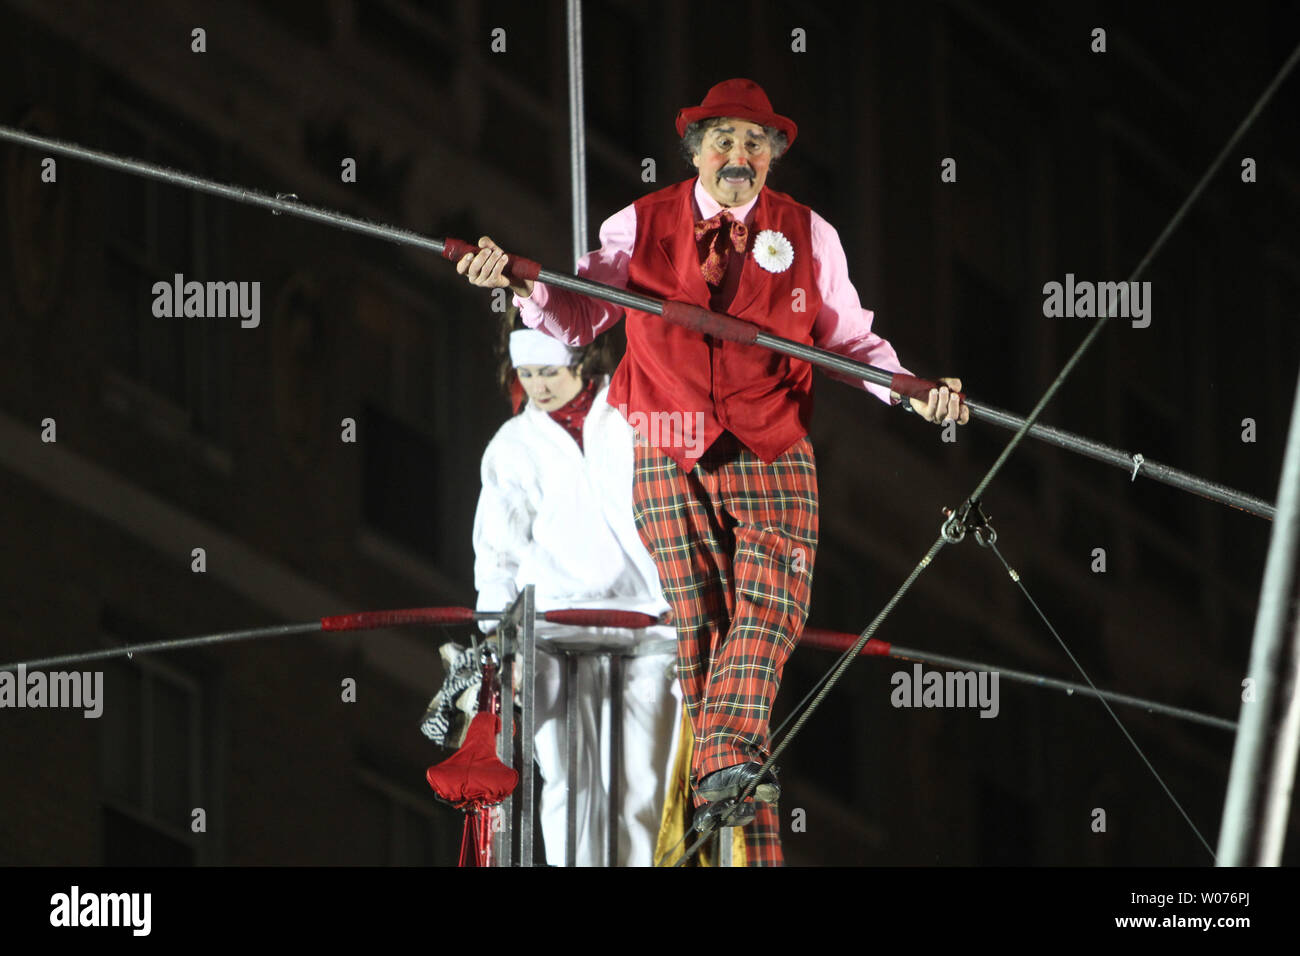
(561, 519)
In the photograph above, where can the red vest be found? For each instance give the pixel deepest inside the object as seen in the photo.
(680, 389)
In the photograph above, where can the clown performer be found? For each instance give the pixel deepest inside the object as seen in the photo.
(555, 511)
(725, 482)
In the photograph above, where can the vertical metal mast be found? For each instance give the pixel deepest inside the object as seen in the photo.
(1264, 760)
(578, 181)
(577, 129)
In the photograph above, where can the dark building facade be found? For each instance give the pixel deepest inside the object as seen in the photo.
(176, 434)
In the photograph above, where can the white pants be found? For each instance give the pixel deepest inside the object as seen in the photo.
(651, 711)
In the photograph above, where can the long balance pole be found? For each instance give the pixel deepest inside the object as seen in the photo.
(583, 617)
(690, 316)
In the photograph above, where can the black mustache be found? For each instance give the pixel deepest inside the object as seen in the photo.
(736, 171)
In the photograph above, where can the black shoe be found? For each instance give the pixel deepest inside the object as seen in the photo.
(723, 813)
(731, 782)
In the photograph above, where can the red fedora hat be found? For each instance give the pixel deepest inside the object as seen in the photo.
(741, 98)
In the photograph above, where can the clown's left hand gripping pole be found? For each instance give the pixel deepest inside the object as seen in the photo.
(691, 316)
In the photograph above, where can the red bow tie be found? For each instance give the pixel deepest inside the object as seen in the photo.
(709, 233)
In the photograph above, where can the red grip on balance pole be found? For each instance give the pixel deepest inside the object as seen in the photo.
(517, 267)
(710, 323)
(909, 386)
(840, 641)
(369, 620)
(598, 617)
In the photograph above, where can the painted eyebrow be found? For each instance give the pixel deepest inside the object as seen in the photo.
(750, 134)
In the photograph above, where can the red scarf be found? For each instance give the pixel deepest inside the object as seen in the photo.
(715, 248)
(571, 415)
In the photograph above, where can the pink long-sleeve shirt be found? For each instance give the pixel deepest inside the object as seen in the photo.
(841, 326)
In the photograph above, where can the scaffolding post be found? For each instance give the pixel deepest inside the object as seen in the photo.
(503, 835)
(527, 652)
(1264, 759)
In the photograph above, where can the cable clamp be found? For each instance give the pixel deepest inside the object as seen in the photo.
(1138, 461)
(294, 196)
(953, 528)
(985, 534)
(970, 517)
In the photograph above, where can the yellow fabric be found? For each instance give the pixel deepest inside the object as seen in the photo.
(679, 809)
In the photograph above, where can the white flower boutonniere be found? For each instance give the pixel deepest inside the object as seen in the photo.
(773, 251)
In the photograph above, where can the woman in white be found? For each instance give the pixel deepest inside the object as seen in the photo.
(556, 512)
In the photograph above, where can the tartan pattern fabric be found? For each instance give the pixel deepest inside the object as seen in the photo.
(733, 541)
(763, 837)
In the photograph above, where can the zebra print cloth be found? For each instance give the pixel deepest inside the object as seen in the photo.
(448, 715)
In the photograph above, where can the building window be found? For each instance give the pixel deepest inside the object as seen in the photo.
(153, 770)
(153, 231)
(400, 827)
(399, 483)
(421, 35)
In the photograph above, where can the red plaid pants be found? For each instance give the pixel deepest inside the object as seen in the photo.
(733, 542)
